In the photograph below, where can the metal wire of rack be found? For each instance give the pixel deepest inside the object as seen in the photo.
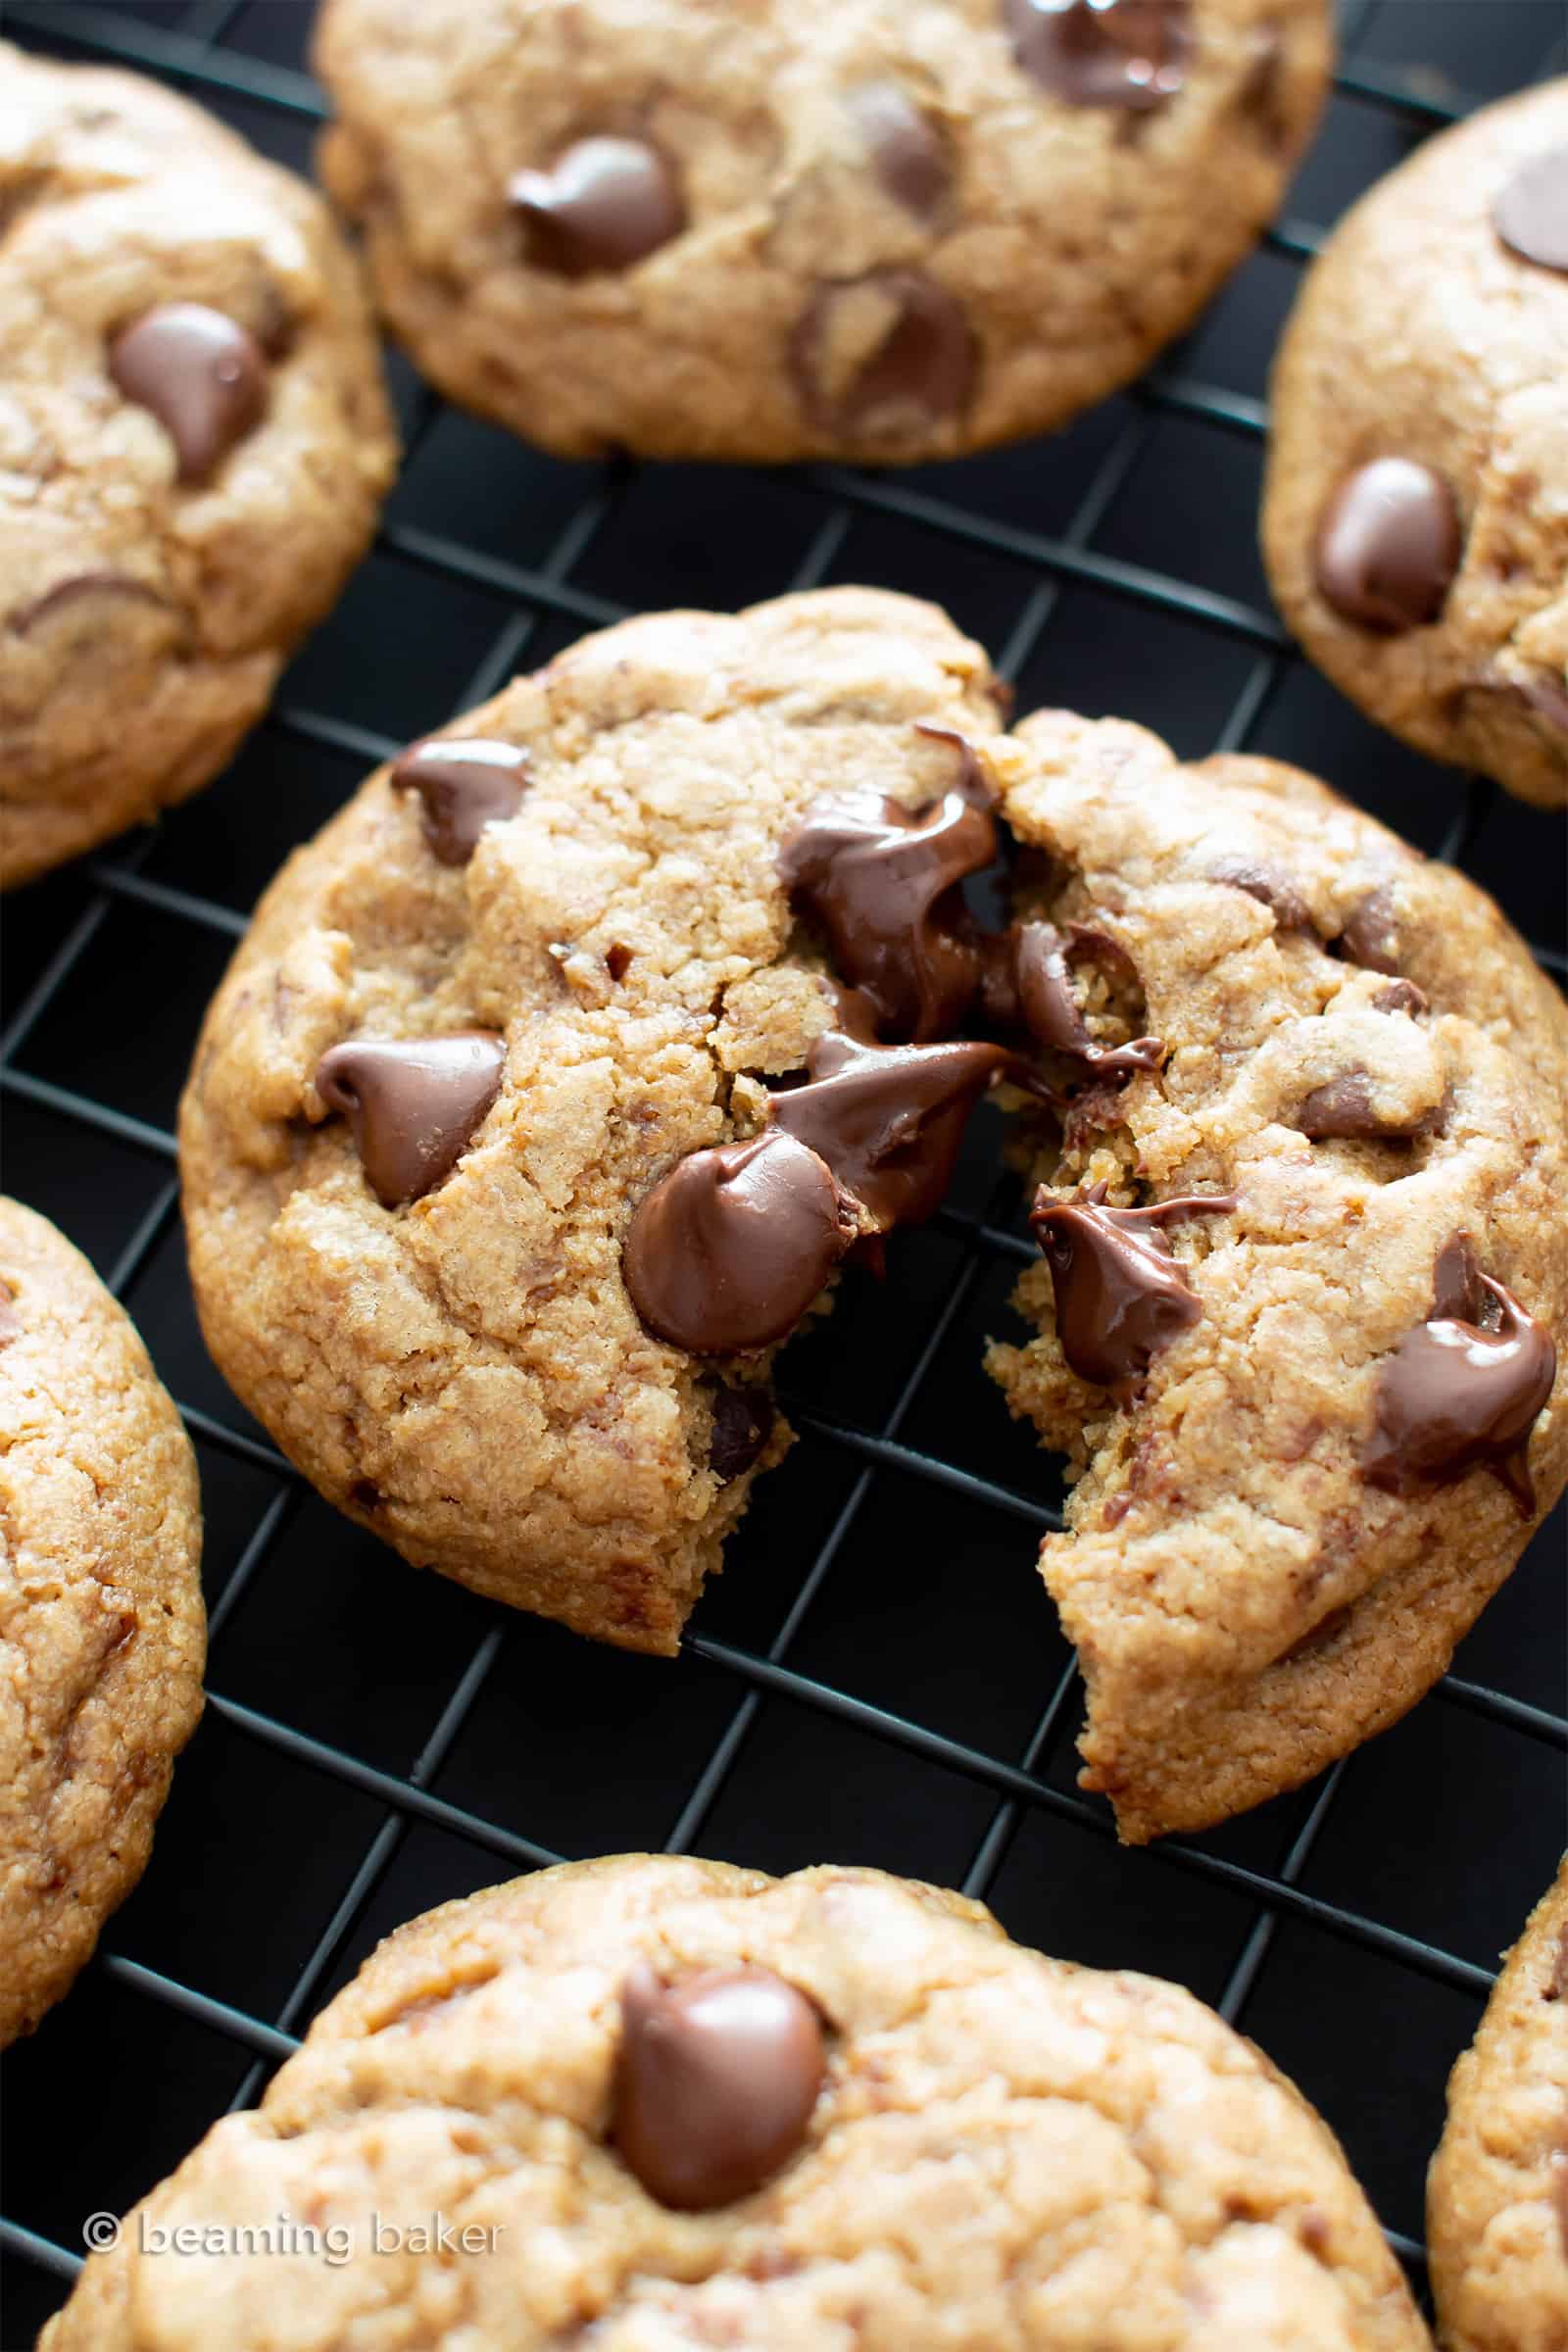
(921, 1763)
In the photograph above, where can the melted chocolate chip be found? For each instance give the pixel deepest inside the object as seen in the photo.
(715, 2082)
(975, 780)
(1126, 53)
(743, 1423)
(1269, 885)
(882, 883)
(202, 375)
(729, 1250)
(465, 786)
(9, 1320)
(89, 588)
(919, 372)
(908, 153)
(888, 1120)
(1048, 1004)
(1343, 1109)
(1464, 1389)
(605, 203)
(1402, 996)
(1371, 933)
(414, 1104)
(1389, 546)
(1121, 1295)
(1530, 214)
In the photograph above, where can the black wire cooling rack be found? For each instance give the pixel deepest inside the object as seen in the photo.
(877, 1676)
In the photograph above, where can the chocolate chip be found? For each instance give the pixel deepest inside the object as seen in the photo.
(414, 1104)
(1126, 53)
(975, 780)
(1120, 1294)
(882, 883)
(913, 368)
(729, 1250)
(1389, 546)
(1402, 996)
(603, 204)
(1049, 1005)
(888, 1120)
(464, 785)
(1343, 1109)
(908, 153)
(89, 589)
(202, 375)
(9, 1320)
(1530, 214)
(1464, 1389)
(618, 961)
(1269, 885)
(1371, 933)
(715, 2082)
(743, 1423)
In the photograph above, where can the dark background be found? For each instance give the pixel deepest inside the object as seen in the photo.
(877, 1677)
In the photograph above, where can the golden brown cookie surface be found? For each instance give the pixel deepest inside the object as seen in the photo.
(102, 1631)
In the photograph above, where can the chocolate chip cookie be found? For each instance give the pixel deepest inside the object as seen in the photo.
(658, 2104)
(102, 1633)
(1413, 522)
(1497, 2193)
(561, 1073)
(194, 443)
(1304, 1276)
(779, 232)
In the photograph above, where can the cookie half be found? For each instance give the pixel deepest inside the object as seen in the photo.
(1304, 1290)
(102, 1629)
(1497, 2193)
(775, 233)
(1414, 518)
(681, 2105)
(501, 1183)
(194, 443)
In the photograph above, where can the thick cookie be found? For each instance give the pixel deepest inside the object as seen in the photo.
(679, 2104)
(102, 1633)
(1416, 524)
(194, 443)
(1497, 2193)
(1303, 1349)
(491, 1219)
(776, 231)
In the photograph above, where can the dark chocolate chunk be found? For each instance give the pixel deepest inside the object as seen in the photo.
(87, 589)
(1343, 1109)
(1389, 546)
(1269, 885)
(1530, 212)
(919, 372)
(413, 1103)
(1464, 1389)
(1048, 1006)
(908, 153)
(1371, 933)
(203, 376)
(882, 883)
(729, 1250)
(1121, 1295)
(743, 1423)
(603, 204)
(464, 785)
(715, 2083)
(888, 1120)
(1126, 53)
(1402, 996)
